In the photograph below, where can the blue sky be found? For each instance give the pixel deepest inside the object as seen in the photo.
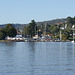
(23, 11)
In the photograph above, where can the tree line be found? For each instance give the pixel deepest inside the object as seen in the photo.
(32, 29)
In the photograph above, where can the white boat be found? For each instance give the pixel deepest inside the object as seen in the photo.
(73, 41)
(36, 37)
(26, 39)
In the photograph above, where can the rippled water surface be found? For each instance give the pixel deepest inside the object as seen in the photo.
(37, 58)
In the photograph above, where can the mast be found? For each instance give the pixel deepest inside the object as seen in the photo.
(73, 35)
(45, 30)
(61, 28)
(60, 34)
(73, 28)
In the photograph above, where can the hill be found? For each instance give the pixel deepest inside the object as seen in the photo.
(21, 26)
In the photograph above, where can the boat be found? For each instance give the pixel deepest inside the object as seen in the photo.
(73, 41)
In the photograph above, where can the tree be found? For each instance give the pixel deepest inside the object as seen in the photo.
(26, 31)
(54, 29)
(10, 30)
(2, 34)
(64, 37)
(48, 28)
(69, 32)
(70, 21)
(32, 28)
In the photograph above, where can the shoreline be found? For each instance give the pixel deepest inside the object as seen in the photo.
(29, 41)
(11, 41)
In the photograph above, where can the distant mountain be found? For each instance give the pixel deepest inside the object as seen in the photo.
(21, 26)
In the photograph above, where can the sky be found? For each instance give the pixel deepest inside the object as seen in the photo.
(23, 11)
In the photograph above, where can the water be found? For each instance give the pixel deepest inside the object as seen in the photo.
(37, 58)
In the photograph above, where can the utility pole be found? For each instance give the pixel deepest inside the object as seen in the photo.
(60, 34)
(73, 28)
(45, 30)
(73, 35)
(35, 29)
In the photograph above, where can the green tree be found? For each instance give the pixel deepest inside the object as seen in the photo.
(64, 37)
(48, 29)
(67, 33)
(32, 28)
(70, 21)
(26, 31)
(2, 34)
(54, 29)
(10, 30)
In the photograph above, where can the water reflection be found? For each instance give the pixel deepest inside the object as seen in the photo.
(73, 53)
(67, 57)
(32, 50)
(37, 58)
(70, 53)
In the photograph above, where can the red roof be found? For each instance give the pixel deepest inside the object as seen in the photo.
(50, 34)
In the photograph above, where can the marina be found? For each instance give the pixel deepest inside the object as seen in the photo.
(37, 37)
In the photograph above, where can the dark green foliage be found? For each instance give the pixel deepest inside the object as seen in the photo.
(2, 34)
(64, 37)
(26, 31)
(32, 28)
(10, 30)
(70, 21)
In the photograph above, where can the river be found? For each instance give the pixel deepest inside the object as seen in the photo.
(37, 58)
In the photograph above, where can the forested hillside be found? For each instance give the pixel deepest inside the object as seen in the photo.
(21, 26)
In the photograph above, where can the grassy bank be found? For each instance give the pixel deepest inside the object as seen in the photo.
(4, 41)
